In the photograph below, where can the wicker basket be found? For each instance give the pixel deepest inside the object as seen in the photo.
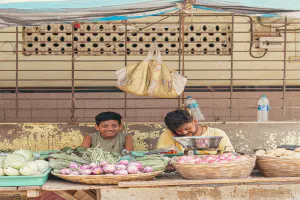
(278, 167)
(107, 179)
(235, 169)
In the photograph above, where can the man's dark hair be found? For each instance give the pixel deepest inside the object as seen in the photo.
(105, 116)
(177, 118)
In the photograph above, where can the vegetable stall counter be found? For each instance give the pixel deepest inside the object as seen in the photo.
(175, 184)
(23, 191)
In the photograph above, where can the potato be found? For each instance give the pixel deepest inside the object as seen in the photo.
(297, 155)
(297, 149)
(279, 151)
(270, 155)
(260, 152)
(270, 152)
(288, 153)
(286, 157)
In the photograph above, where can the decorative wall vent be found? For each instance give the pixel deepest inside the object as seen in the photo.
(106, 39)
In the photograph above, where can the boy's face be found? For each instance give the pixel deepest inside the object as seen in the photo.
(108, 129)
(187, 129)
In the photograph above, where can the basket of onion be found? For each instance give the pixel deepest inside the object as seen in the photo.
(214, 166)
(106, 173)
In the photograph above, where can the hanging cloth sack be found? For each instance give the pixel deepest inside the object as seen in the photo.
(134, 79)
(164, 82)
(151, 78)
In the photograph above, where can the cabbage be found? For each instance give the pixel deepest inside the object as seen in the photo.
(28, 171)
(15, 161)
(2, 161)
(43, 165)
(1, 172)
(9, 171)
(26, 153)
(33, 166)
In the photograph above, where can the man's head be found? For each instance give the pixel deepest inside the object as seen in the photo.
(181, 123)
(108, 124)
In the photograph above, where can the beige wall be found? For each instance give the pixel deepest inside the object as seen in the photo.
(219, 77)
(56, 107)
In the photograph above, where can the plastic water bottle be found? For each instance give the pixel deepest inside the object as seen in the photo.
(263, 109)
(192, 104)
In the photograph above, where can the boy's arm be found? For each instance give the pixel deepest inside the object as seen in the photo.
(129, 143)
(87, 141)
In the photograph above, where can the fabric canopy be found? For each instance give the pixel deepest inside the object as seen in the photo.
(265, 8)
(37, 12)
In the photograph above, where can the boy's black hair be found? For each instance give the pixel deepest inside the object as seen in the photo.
(105, 116)
(177, 118)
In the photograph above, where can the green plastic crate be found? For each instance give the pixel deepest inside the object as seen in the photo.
(39, 180)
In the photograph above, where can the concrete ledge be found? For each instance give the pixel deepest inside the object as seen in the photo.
(245, 136)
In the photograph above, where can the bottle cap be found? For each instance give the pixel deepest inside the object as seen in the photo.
(189, 97)
(264, 96)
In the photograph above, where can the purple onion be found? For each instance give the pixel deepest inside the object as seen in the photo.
(84, 166)
(109, 168)
(121, 172)
(123, 162)
(93, 165)
(137, 164)
(103, 163)
(132, 169)
(85, 172)
(97, 171)
(147, 169)
(74, 166)
(121, 167)
(74, 173)
(65, 171)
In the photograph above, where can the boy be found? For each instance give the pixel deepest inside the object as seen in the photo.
(180, 124)
(108, 135)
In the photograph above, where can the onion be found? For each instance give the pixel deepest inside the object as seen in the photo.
(147, 169)
(231, 157)
(74, 173)
(121, 167)
(137, 164)
(109, 168)
(84, 166)
(97, 171)
(132, 169)
(85, 172)
(208, 158)
(123, 162)
(65, 171)
(73, 166)
(223, 161)
(103, 163)
(121, 172)
(191, 161)
(93, 165)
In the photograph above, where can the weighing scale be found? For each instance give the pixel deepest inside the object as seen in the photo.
(206, 143)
